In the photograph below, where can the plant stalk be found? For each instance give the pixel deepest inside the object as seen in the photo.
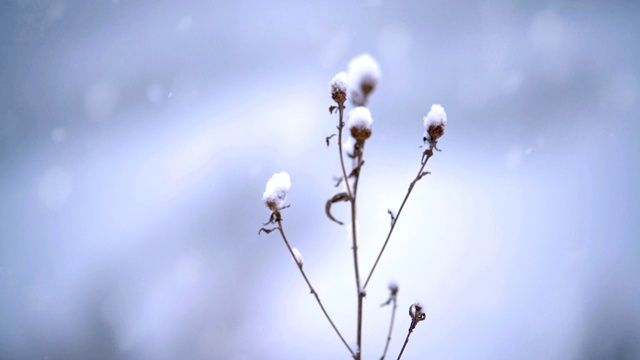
(352, 199)
(311, 289)
(405, 344)
(393, 317)
(428, 153)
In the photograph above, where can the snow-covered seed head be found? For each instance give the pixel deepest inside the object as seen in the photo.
(416, 311)
(338, 87)
(434, 123)
(359, 123)
(298, 256)
(393, 287)
(364, 74)
(275, 194)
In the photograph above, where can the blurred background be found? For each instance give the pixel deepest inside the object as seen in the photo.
(136, 138)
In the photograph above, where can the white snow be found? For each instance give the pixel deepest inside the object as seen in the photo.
(363, 69)
(360, 118)
(349, 229)
(436, 117)
(276, 190)
(348, 146)
(340, 83)
(298, 256)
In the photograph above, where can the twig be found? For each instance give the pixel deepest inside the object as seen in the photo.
(311, 289)
(344, 170)
(416, 311)
(427, 154)
(405, 344)
(394, 300)
(352, 197)
(361, 293)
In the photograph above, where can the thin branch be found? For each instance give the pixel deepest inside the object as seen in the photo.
(352, 197)
(311, 289)
(417, 314)
(360, 292)
(405, 344)
(394, 301)
(344, 170)
(427, 154)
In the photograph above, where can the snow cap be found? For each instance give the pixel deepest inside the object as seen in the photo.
(275, 194)
(393, 287)
(364, 74)
(416, 311)
(360, 123)
(349, 229)
(298, 256)
(338, 87)
(434, 123)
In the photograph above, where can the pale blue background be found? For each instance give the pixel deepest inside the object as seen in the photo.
(136, 138)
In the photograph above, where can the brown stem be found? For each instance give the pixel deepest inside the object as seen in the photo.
(311, 289)
(344, 170)
(428, 154)
(393, 317)
(405, 343)
(352, 198)
(355, 248)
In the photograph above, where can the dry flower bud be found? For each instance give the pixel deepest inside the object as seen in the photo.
(275, 194)
(416, 311)
(338, 87)
(435, 123)
(359, 123)
(393, 287)
(364, 74)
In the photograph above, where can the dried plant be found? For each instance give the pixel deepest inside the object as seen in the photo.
(357, 85)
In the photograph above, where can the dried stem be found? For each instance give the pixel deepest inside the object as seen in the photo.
(405, 343)
(394, 301)
(361, 294)
(417, 314)
(344, 170)
(352, 197)
(427, 154)
(311, 289)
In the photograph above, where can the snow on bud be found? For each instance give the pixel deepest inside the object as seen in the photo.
(355, 347)
(393, 287)
(360, 122)
(338, 87)
(275, 194)
(364, 74)
(416, 311)
(349, 229)
(349, 147)
(298, 256)
(434, 123)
